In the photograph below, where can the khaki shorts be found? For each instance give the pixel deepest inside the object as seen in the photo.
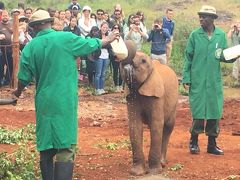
(162, 58)
(62, 155)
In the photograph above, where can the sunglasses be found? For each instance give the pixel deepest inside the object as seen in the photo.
(100, 14)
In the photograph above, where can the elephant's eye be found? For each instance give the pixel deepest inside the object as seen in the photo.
(144, 61)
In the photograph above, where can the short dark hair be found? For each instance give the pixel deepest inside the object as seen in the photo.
(158, 21)
(2, 5)
(28, 9)
(169, 9)
(100, 10)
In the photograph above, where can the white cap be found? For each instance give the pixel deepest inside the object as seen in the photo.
(86, 8)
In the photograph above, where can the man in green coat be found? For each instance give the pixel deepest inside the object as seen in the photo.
(202, 77)
(50, 59)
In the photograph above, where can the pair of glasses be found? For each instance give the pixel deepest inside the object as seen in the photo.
(100, 14)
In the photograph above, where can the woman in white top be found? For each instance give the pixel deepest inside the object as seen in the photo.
(85, 23)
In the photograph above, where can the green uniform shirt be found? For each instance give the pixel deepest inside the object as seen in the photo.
(202, 70)
(50, 59)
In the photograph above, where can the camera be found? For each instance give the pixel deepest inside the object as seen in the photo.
(156, 26)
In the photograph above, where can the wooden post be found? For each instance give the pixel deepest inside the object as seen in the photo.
(15, 49)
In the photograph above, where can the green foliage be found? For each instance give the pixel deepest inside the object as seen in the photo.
(146, 46)
(182, 91)
(114, 145)
(182, 32)
(111, 146)
(20, 165)
(17, 136)
(176, 167)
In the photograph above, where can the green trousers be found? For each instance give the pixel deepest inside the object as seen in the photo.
(62, 155)
(211, 128)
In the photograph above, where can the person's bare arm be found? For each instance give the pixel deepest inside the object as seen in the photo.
(110, 38)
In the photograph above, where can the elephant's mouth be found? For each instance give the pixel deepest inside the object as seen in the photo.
(128, 72)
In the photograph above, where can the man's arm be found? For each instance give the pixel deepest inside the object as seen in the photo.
(167, 35)
(19, 89)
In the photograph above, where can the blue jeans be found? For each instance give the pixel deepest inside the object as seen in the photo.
(101, 66)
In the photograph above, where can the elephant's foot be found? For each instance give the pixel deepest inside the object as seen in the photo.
(155, 168)
(163, 163)
(138, 170)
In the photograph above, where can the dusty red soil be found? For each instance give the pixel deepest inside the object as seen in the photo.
(103, 121)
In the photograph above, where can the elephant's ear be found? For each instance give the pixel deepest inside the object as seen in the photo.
(153, 86)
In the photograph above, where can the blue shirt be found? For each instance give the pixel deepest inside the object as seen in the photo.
(159, 40)
(168, 24)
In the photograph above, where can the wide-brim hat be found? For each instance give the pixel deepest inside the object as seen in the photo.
(208, 10)
(40, 17)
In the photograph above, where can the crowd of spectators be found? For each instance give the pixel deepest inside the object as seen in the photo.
(84, 22)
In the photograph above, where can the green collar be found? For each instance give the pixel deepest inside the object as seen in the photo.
(215, 33)
(45, 31)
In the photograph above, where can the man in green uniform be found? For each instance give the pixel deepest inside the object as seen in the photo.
(202, 77)
(50, 58)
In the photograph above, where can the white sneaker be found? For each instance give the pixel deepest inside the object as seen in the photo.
(102, 91)
(98, 92)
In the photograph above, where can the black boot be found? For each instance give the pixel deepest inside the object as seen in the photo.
(193, 145)
(47, 169)
(212, 146)
(63, 171)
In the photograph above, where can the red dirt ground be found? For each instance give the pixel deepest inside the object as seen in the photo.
(103, 121)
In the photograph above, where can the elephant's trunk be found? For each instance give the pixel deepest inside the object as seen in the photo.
(128, 72)
(131, 52)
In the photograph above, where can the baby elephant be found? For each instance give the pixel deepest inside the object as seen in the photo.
(151, 99)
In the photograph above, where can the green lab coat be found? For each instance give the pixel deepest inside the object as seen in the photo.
(50, 59)
(202, 70)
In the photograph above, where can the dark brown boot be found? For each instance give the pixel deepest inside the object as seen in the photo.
(212, 146)
(63, 171)
(193, 145)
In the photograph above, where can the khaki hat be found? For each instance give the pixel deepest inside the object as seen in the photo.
(40, 17)
(208, 10)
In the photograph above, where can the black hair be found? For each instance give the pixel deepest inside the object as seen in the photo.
(28, 8)
(116, 24)
(100, 10)
(94, 29)
(2, 6)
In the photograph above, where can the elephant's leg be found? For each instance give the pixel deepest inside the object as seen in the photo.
(167, 130)
(156, 127)
(136, 138)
